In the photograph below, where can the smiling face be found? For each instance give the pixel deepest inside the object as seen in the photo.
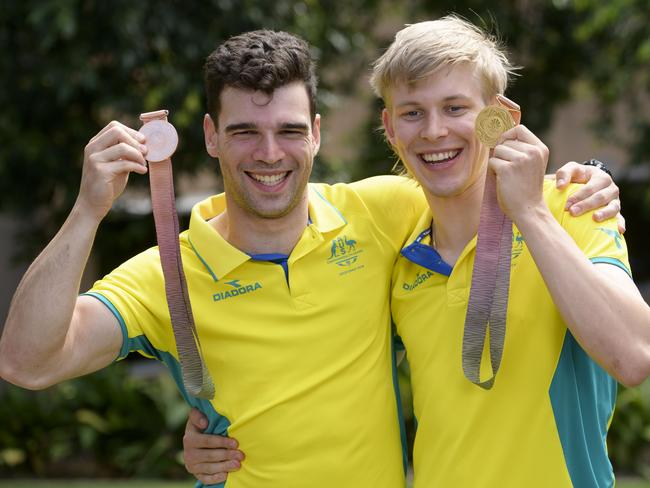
(266, 146)
(430, 125)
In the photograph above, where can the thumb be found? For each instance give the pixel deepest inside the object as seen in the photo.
(196, 422)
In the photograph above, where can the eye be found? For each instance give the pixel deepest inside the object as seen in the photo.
(456, 109)
(411, 114)
(294, 133)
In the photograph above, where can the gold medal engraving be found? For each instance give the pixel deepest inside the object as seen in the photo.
(491, 122)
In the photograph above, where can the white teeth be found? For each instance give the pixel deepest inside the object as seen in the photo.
(269, 180)
(441, 156)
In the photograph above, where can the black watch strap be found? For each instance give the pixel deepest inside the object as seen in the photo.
(598, 164)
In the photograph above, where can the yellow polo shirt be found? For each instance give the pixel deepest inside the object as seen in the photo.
(544, 422)
(302, 364)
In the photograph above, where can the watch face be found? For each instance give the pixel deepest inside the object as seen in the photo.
(161, 142)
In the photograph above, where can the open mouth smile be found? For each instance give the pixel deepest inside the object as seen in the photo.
(268, 180)
(439, 157)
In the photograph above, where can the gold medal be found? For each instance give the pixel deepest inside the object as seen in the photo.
(491, 122)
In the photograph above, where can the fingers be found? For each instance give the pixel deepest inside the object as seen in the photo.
(596, 181)
(119, 152)
(592, 197)
(195, 439)
(608, 211)
(520, 133)
(570, 172)
(208, 457)
(612, 209)
(211, 479)
(212, 473)
(120, 166)
(520, 140)
(212, 469)
(196, 455)
(621, 223)
(511, 150)
(114, 133)
(518, 151)
(209, 464)
(116, 144)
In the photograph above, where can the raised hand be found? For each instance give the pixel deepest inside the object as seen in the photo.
(109, 157)
(519, 162)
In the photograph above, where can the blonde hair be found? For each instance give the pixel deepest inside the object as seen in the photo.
(420, 49)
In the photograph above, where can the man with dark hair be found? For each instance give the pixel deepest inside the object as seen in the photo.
(260, 61)
(289, 283)
(296, 337)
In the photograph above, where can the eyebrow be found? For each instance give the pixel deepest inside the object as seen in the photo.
(240, 126)
(455, 97)
(449, 98)
(249, 125)
(294, 125)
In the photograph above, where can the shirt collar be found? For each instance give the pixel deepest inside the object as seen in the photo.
(220, 257)
(325, 217)
(419, 250)
(216, 254)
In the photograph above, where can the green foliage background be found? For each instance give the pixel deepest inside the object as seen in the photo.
(70, 66)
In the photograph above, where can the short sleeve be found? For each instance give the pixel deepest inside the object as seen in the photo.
(601, 242)
(134, 292)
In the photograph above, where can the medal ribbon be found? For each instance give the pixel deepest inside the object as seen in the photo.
(488, 296)
(161, 144)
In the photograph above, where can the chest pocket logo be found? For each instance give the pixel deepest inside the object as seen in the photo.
(345, 253)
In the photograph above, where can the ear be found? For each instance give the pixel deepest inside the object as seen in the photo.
(210, 136)
(315, 133)
(388, 126)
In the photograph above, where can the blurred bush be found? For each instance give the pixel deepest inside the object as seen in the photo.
(109, 424)
(118, 424)
(629, 435)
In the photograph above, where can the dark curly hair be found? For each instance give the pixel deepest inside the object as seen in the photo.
(259, 60)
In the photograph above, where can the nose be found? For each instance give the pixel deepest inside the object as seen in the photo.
(434, 127)
(269, 150)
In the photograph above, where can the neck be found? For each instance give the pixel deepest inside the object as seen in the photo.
(253, 234)
(455, 220)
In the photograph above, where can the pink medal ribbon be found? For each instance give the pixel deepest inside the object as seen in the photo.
(488, 296)
(162, 140)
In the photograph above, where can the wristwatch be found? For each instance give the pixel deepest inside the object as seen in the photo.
(598, 164)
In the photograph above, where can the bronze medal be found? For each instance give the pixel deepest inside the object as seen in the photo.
(162, 140)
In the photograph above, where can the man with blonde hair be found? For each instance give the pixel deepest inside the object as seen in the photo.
(576, 322)
(434, 80)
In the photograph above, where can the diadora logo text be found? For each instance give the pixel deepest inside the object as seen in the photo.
(236, 289)
(419, 279)
(345, 252)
